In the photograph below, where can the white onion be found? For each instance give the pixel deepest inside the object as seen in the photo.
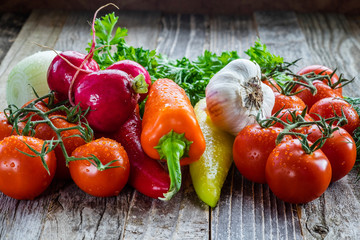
(29, 72)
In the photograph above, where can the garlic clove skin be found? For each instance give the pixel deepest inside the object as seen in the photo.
(269, 101)
(235, 95)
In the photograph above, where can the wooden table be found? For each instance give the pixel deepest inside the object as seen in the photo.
(246, 210)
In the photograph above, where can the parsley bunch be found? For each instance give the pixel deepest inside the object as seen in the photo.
(192, 76)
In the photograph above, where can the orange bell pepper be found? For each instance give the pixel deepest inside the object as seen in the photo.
(170, 130)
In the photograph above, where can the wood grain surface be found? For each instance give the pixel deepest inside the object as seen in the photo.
(245, 210)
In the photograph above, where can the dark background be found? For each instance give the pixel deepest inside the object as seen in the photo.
(190, 6)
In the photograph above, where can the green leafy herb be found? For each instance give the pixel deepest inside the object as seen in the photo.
(104, 28)
(355, 102)
(272, 66)
(262, 56)
(193, 76)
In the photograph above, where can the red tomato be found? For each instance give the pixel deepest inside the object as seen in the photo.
(41, 105)
(323, 91)
(272, 84)
(21, 176)
(285, 102)
(317, 69)
(297, 177)
(6, 129)
(99, 183)
(285, 116)
(326, 107)
(251, 149)
(340, 149)
(44, 131)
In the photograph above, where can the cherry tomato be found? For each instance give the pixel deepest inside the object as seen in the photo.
(44, 131)
(108, 182)
(285, 102)
(22, 176)
(317, 69)
(6, 129)
(295, 176)
(327, 106)
(323, 91)
(272, 84)
(251, 149)
(285, 115)
(340, 149)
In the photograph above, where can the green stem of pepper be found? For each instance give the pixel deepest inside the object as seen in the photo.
(173, 147)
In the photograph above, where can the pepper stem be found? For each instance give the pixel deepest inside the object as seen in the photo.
(172, 147)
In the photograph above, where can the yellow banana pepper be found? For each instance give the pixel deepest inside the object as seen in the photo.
(208, 174)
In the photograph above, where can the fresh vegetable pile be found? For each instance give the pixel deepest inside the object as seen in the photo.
(112, 116)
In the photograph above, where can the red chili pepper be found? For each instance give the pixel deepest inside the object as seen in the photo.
(146, 174)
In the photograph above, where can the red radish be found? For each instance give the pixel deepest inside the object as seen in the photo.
(111, 95)
(61, 73)
(133, 69)
(71, 65)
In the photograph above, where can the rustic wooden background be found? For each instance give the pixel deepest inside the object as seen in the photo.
(245, 210)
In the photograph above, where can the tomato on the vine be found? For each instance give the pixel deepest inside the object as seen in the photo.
(286, 116)
(319, 69)
(42, 106)
(272, 84)
(251, 149)
(295, 176)
(22, 176)
(340, 149)
(99, 182)
(69, 138)
(284, 102)
(327, 107)
(6, 129)
(323, 91)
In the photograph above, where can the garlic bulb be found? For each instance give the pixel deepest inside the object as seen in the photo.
(235, 95)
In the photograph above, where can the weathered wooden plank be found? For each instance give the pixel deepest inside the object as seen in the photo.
(182, 35)
(330, 215)
(143, 28)
(73, 214)
(76, 32)
(11, 24)
(24, 219)
(41, 28)
(183, 217)
(332, 43)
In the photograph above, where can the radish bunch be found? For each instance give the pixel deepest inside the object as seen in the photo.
(111, 94)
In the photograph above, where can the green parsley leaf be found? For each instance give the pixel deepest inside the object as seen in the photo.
(262, 56)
